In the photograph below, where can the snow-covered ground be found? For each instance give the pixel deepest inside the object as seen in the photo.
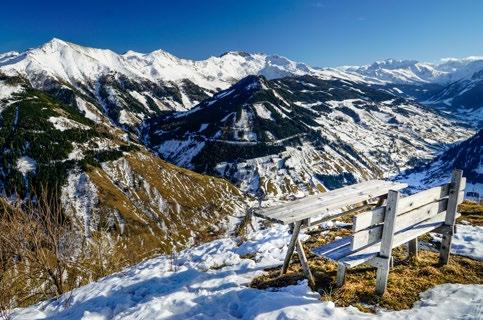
(211, 282)
(468, 241)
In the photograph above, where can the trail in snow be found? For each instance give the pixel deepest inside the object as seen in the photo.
(210, 282)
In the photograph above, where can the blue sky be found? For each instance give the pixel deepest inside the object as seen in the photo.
(319, 32)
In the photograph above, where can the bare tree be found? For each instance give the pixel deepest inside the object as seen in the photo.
(32, 250)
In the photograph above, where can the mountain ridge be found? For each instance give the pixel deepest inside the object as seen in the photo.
(300, 133)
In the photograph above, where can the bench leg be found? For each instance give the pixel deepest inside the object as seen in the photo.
(413, 248)
(382, 276)
(454, 199)
(291, 247)
(304, 263)
(444, 251)
(341, 269)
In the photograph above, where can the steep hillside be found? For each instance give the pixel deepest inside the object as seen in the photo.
(104, 180)
(467, 155)
(300, 133)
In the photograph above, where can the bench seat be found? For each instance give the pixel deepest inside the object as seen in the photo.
(340, 250)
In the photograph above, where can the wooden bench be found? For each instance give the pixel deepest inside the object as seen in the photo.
(401, 220)
(316, 209)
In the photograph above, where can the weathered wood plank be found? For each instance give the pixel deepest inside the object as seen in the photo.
(376, 216)
(389, 224)
(334, 196)
(361, 256)
(387, 240)
(413, 248)
(340, 250)
(367, 219)
(291, 247)
(332, 246)
(454, 199)
(368, 236)
(382, 275)
(304, 263)
(282, 210)
(331, 194)
(316, 220)
(368, 191)
(329, 210)
(341, 270)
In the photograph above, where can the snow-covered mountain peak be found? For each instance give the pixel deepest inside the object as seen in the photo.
(72, 63)
(393, 63)
(56, 43)
(413, 72)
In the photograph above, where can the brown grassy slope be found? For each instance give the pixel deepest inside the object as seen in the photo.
(471, 212)
(193, 206)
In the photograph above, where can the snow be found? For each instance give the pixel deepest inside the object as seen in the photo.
(139, 97)
(88, 110)
(445, 71)
(63, 123)
(376, 140)
(6, 92)
(211, 282)
(73, 63)
(203, 126)
(26, 165)
(130, 118)
(79, 199)
(180, 152)
(467, 241)
(262, 111)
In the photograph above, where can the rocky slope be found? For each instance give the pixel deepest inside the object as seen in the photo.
(301, 134)
(106, 182)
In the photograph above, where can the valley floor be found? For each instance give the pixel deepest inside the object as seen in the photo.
(212, 281)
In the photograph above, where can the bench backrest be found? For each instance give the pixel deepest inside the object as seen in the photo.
(368, 227)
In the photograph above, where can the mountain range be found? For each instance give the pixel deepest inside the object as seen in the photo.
(94, 122)
(148, 153)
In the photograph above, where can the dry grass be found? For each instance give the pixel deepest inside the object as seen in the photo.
(406, 280)
(471, 212)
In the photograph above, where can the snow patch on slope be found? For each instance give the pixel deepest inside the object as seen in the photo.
(63, 123)
(467, 241)
(211, 281)
(88, 110)
(79, 199)
(6, 92)
(26, 165)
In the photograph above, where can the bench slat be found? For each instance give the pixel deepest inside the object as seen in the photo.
(331, 194)
(327, 198)
(376, 216)
(373, 234)
(400, 238)
(332, 246)
(328, 208)
(343, 253)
